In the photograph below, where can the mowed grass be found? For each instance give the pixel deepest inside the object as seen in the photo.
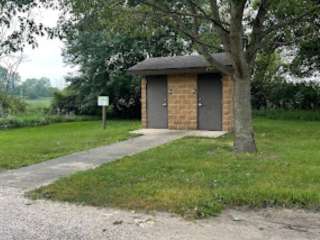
(26, 146)
(198, 177)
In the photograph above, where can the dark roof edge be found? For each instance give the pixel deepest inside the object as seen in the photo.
(173, 71)
(179, 64)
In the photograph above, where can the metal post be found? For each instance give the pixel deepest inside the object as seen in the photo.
(104, 118)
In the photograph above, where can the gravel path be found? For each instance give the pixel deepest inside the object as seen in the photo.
(23, 219)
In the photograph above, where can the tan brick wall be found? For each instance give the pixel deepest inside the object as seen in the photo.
(144, 103)
(228, 88)
(182, 101)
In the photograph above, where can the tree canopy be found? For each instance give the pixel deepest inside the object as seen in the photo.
(104, 53)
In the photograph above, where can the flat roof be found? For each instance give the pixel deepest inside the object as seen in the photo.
(179, 64)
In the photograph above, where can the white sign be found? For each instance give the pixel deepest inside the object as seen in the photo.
(103, 101)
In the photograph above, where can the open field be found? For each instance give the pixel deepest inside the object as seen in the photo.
(37, 114)
(26, 146)
(197, 177)
(37, 104)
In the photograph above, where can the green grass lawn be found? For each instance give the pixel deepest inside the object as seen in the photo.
(198, 177)
(26, 146)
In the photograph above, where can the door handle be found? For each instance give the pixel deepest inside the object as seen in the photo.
(164, 104)
(200, 102)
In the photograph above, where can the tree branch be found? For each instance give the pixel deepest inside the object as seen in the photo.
(215, 20)
(182, 29)
(203, 49)
(223, 35)
(186, 14)
(257, 31)
(291, 21)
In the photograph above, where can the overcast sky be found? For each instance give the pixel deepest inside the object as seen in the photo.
(46, 60)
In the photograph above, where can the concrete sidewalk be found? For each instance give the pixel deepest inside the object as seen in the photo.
(44, 173)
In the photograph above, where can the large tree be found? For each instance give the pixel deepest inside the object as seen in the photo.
(104, 46)
(243, 27)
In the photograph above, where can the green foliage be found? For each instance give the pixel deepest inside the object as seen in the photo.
(280, 114)
(105, 44)
(307, 46)
(271, 91)
(34, 120)
(18, 26)
(8, 80)
(10, 105)
(268, 64)
(279, 94)
(307, 60)
(65, 102)
(35, 88)
(26, 146)
(199, 177)
(32, 113)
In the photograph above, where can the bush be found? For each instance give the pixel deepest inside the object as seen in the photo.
(33, 121)
(11, 105)
(70, 102)
(279, 94)
(279, 114)
(64, 102)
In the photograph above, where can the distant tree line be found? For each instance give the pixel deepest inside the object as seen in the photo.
(34, 88)
(13, 91)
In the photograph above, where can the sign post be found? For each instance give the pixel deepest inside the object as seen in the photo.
(103, 101)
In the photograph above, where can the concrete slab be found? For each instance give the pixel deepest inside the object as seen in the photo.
(186, 133)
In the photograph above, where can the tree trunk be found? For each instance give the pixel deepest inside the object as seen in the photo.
(244, 141)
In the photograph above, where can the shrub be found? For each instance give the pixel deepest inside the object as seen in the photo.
(33, 121)
(279, 114)
(64, 102)
(11, 105)
(68, 101)
(280, 94)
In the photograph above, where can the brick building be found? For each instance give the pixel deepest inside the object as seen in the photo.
(185, 92)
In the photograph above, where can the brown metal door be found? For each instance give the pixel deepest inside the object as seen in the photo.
(209, 102)
(157, 104)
